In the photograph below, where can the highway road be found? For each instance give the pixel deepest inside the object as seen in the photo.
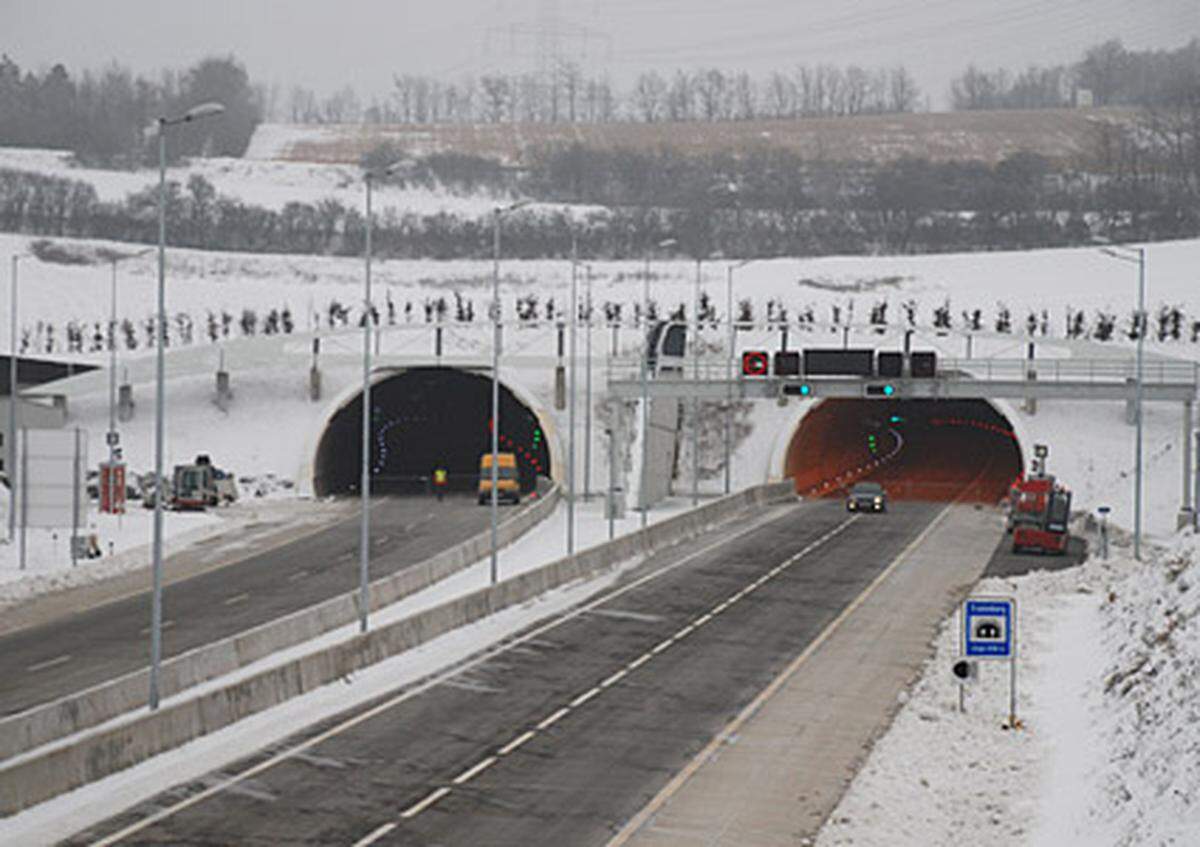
(41, 663)
(559, 735)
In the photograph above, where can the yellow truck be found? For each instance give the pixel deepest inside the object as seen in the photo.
(508, 483)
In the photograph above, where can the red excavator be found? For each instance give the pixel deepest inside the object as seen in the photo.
(1038, 511)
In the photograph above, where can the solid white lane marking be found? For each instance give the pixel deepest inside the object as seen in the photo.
(551, 720)
(516, 742)
(614, 679)
(584, 697)
(474, 771)
(639, 661)
(374, 835)
(731, 729)
(237, 598)
(416, 809)
(408, 694)
(297, 575)
(49, 663)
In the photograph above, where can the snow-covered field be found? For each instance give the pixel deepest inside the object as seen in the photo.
(1106, 752)
(263, 183)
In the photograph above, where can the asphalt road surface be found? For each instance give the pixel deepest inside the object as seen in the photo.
(42, 663)
(560, 735)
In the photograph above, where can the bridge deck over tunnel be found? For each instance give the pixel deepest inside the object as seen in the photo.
(918, 449)
(424, 418)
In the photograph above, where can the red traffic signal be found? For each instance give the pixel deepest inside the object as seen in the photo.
(756, 363)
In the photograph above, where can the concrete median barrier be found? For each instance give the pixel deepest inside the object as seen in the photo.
(48, 722)
(38, 775)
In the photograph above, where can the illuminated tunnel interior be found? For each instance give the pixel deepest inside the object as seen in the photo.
(918, 449)
(423, 418)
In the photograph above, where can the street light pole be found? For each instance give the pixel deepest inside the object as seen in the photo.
(204, 110)
(364, 537)
(1137, 497)
(587, 391)
(696, 379)
(729, 368)
(497, 213)
(571, 405)
(10, 466)
(1113, 250)
(112, 358)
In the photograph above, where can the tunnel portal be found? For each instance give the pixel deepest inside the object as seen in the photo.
(424, 418)
(918, 449)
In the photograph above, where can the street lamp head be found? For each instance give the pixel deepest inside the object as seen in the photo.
(511, 207)
(400, 166)
(668, 242)
(203, 110)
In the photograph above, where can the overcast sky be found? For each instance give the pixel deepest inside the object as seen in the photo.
(326, 45)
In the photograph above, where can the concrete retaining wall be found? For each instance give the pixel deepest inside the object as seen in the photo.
(91, 707)
(38, 777)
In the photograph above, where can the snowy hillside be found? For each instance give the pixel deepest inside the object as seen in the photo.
(1106, 753)
(263, 183)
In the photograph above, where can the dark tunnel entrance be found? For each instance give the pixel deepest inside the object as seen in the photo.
(423, 418)
(918, 449)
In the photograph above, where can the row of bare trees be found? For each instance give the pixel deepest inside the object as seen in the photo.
(1109, 73)
(569, 95)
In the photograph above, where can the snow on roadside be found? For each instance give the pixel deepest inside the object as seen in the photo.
(1106, 751)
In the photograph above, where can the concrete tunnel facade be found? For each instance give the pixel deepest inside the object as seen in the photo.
(918, 449)
(423, 418)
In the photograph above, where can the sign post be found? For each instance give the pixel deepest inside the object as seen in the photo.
(990, 632)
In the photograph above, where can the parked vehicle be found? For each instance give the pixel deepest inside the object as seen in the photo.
(866, 497)
(201, 485)
(508, 483)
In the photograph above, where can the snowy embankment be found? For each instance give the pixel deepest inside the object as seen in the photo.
(1106, 751)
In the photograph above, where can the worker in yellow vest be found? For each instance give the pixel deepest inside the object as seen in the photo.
(440, 478)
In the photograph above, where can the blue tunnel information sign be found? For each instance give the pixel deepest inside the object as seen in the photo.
(988, 628)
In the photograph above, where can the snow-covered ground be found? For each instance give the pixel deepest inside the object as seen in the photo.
(1106, 752)
(270, 184)
(271, 425)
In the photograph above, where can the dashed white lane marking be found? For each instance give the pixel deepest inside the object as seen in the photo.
(164, 625)
(551, 720)
(237, 598)
(639, 661)
(516, 742)
(416, 808)
(49, 663)
(584, 697)
(297, 575)
(374, 835)
(408, 694)
(476, 770)
(614, 678)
